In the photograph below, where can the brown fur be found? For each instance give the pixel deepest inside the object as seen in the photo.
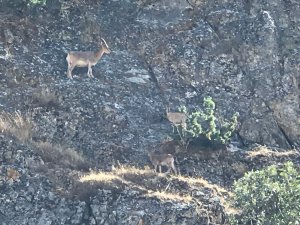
(162, 160)
(86, 59)
(169, 147)
(177, 118)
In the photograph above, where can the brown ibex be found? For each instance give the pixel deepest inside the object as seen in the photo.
(162, 160)
(86, 58)
(176, 118)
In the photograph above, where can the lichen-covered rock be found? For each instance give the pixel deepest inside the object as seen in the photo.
(245, 54)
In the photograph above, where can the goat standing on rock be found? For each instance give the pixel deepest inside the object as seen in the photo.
(86, 59)
(159, 160)
(176, 118)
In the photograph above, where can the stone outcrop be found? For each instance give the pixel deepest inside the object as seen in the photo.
(244, 54)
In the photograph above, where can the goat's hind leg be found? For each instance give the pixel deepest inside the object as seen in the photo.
(174, 169)
(90, 72)
(159, 167)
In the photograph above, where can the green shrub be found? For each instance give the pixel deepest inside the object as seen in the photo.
(205, 122)
(268, 197)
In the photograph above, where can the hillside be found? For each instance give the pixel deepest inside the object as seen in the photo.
(75, 151)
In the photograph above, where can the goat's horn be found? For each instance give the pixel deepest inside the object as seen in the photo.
(168, 109)
(104, 42)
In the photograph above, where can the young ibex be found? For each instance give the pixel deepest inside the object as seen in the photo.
(177, 118)
(86, 59)
(159, 160)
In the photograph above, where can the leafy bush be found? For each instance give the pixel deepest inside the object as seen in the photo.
(204, 122)
(268, 197)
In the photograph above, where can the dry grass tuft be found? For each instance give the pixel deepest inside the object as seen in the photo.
(192, 181)
(150, 183)
(125, 170)
(12, 174)
(45, 98)
(125, 174)
(136, 179)
(16, 124)
(166, 196)
(266, 152)
(60, 155)
(105, 177)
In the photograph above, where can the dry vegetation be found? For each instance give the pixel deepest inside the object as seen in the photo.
(145, 181)
(200, 182)
(267, 152)
(61, 155)
(12, 174)
(167, 196)
(21, 127)
(16, 124)
(151, 184)
(45, 98)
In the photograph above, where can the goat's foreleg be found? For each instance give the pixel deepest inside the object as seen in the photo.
(70, 69)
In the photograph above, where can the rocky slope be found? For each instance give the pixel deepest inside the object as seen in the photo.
(164, 53)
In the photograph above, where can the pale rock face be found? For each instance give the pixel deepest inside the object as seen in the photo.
(244, 54)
